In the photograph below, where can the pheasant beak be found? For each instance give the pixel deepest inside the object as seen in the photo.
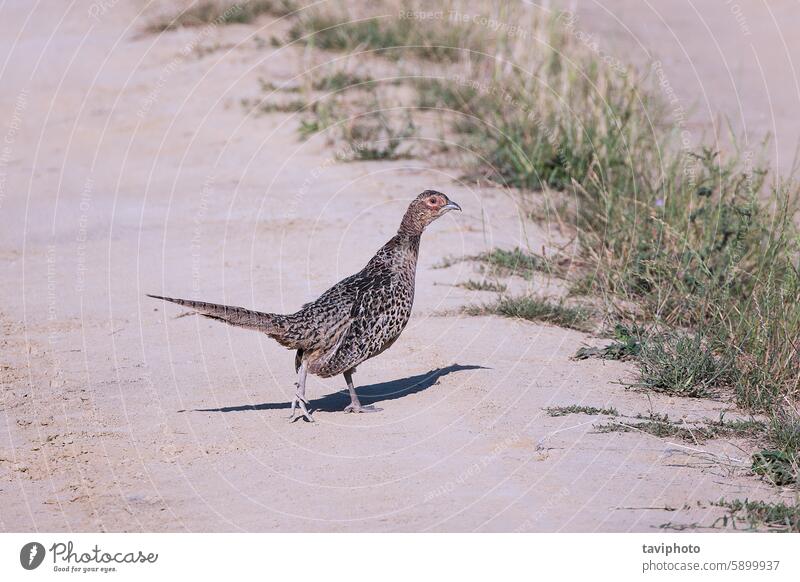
(450, 206)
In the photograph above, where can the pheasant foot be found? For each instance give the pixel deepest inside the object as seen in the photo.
(300, 394)
(300, 402)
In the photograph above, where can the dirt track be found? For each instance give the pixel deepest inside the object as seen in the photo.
(132, 169)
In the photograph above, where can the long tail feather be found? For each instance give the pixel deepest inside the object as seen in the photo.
(238, 316)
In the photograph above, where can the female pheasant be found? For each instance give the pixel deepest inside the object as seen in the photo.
(356, 319)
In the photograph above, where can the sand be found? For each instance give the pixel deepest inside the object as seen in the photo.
(128, 168)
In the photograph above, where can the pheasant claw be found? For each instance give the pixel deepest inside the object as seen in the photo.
(300, 402)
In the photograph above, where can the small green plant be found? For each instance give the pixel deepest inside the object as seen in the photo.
(274, 107)
(329, 32)
(681, 365)
(434, 93)
(448, 262)
(579, 409)
(472, 285)
(221, 13)
(737, 428)
(776, 516)
(777, 466)
(502, 262)
(270, 87)
(780, 464)
(320, 116)
(376, 136)
(536, 309)
(660, 425)
(380, 133)
(341, 80)
(628, 345)
(390, 35)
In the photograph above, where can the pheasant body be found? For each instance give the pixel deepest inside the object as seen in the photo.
(356, 319)
(374, 308)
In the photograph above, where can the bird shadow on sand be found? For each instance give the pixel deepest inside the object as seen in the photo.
(370, 394)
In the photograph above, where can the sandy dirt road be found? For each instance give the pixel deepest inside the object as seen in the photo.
(131, 168)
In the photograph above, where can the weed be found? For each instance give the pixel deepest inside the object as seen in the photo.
(503, 262)
(433, 93)
(321, 115)
(737, 428)
(380, 133)
(376, 136)
(776, 466)
(274, 107)
(340, 80)
(447, 262)
(392, 36)
(270, 87)
(776, 516)
(781, 463)
(536, 309)
(628, 345)
(660, 425)
(484, 285)
(221, 13)
(681, 365)
(579, 409)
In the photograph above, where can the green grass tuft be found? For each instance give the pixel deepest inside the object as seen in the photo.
(321, 116)
(341, 80)
(220, 13)
(436, 93)
(274, 107)
(536, 309)
(777, 517)
(779, 467)
(579, 409)
(502, 262)
(484, 285)
(393, 36)
(378, 133)
(628, 346)
(681, 365)
(660, 425)
(780, 464)
(377, 136)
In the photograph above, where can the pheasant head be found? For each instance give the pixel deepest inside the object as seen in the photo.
(423, 210)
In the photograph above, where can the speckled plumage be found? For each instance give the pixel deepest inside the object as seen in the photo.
(356, 319)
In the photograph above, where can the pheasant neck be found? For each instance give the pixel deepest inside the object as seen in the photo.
(405, 242)
(401, 251)
(411, 226)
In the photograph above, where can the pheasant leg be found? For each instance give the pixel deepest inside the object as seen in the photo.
(355, 405)
(300, 394)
